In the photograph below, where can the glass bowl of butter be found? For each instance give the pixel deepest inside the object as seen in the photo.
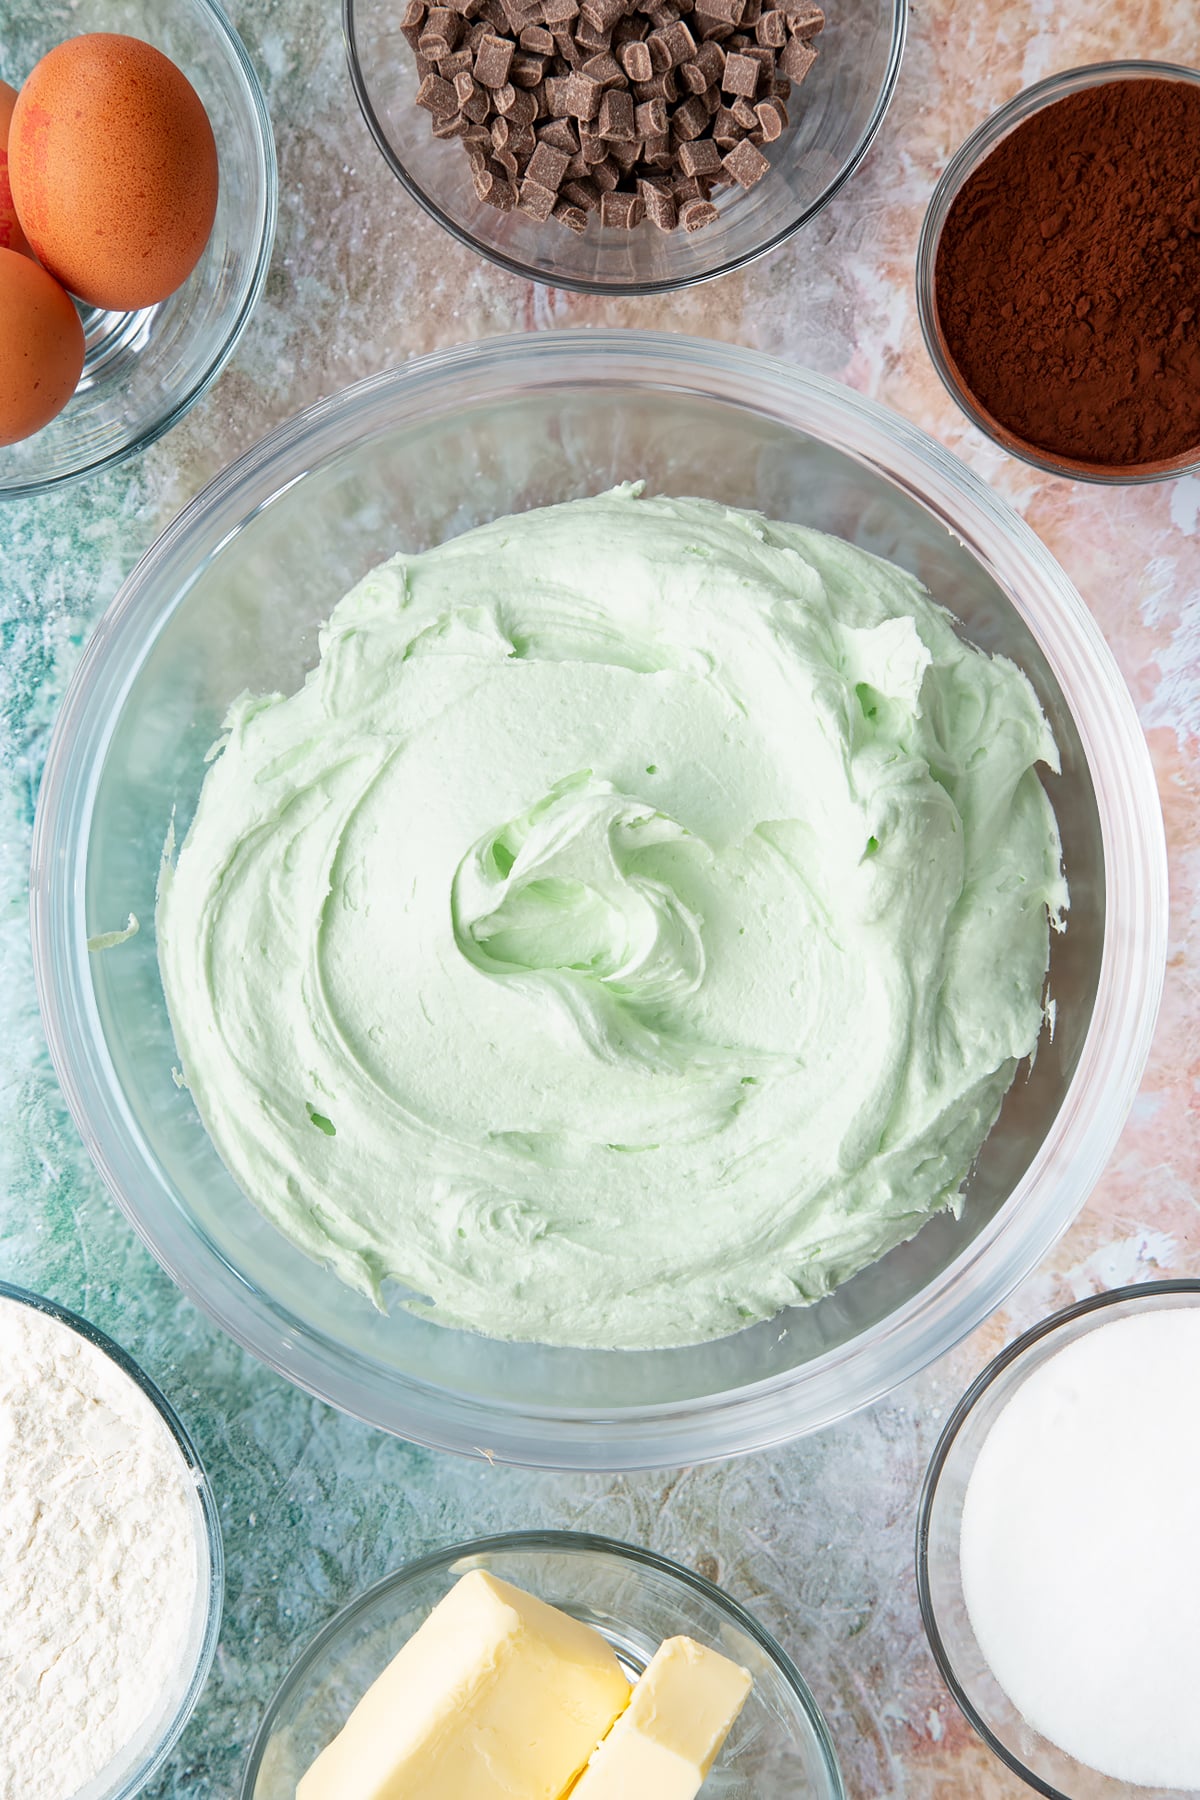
(509, 1661)
(233, 601)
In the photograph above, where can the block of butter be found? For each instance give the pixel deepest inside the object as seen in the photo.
(667, 1739)
(497, 1695)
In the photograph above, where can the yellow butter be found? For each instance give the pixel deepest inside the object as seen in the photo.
(497, 1697)
(667, 1739)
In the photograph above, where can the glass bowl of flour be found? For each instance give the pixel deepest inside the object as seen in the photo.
(110, 1562)
(1058, 1562)
(232, 601)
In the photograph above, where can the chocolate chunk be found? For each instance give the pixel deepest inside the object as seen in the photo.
(526, 71)
(616, 115)
(660, 205)
(493, 185)
(681, 45)
(537, 201)
(766, 59)
(573, 217)
(592, 147)
(745, 114)
(622, 211)
(547, 166)
(710, 60)
(689, 118)
(606, 175)
(604, 68)
(437, 96)
(581, 96)
(663, 87)
(650, 118)
(560, 134)
(518, 105)
(625, 152)
(453, 127)
(797, 59)
(412, 25)
(772, 119)
(590, 38)
(458, 62)
(602, 15)
(537, 41)
(660, 52)
(771, 29)
(694, 215)
(741, 75)
(559, 12)
(657, 153)
(493, 59)
(804, 19)
(744, 164)
(444, 23)
(725, 129)
(582, 193)
(634, 58)
(700, 157)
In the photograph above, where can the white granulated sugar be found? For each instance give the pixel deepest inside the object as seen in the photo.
(1080, 1549)
(99, 1559)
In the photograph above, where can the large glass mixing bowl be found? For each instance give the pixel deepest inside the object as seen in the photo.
(231, 597)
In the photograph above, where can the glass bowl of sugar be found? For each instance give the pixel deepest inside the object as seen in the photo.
(1058, 1556)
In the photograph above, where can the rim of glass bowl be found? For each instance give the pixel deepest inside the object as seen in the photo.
(624, 289)
(1069, 1161)
(214, 1600)
(958, 171)
(551, 1543)
(269, 173)
(983, 1382)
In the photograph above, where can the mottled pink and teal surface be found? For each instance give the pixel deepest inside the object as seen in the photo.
(817, 1538)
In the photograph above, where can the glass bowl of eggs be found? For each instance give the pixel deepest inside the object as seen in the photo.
(146, 306)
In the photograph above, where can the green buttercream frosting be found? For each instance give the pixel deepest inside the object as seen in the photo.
(630, 928)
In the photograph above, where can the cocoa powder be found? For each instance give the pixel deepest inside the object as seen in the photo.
(1068, 276)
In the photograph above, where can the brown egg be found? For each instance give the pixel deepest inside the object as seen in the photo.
(41, 347)
(114, 170)
(11, 235)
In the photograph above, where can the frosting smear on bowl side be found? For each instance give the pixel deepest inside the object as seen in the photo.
(631, 927)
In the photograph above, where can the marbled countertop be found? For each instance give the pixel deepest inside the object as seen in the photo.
(816, 1538)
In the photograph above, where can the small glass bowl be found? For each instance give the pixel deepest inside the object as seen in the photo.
(837, 113)
(780, 1744)
(143, 370)
(129, 1773)
(1046, 1768)
(959, 170)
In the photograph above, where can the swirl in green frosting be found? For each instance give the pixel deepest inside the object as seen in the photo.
(631, 928)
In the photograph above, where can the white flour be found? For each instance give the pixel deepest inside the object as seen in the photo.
(98, 1559)
(1080, 1549)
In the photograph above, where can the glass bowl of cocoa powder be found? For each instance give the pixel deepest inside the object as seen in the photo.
(827, 70)
(1058, 274)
